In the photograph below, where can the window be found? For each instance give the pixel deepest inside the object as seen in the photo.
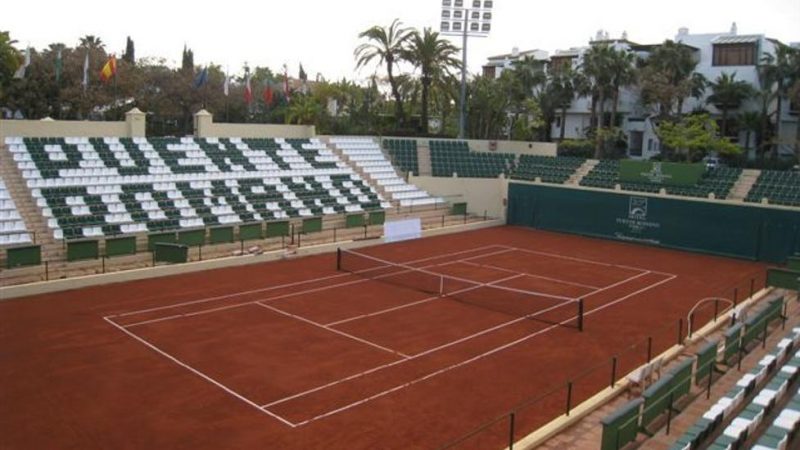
(474, 27)
(486, 28)
(476, 3)
(456, 26)
(459, 3)
(446, 3)
(489, 72)
(458, 14)
(488, 4)
(445, 14)
(476, 15)
(487, 16)
(445, 26)
(636, 143)
(734, 55)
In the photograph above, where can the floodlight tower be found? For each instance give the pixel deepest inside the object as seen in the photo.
(458, 19)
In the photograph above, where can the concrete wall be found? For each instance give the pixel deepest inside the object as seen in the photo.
(483, 195)
(517, 147)
(61, 128)
(204, 126)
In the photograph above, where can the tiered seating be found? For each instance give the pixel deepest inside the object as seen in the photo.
(547, 168)
(449, 158)
(780, 188)
(403, 153)
(784, 428)
(367, 155)
(718, 181)
(111, 186)
(12, 227)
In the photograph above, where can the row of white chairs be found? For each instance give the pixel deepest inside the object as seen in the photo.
(15, 239)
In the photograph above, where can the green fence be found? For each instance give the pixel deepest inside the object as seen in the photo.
(220, 235)
(621, 427)
(765, 234)
(794, 263)
(664, 173)
(377, 218)
(355, 221)
(277, 229)
(312, 225)
(120, 246)
(171, 253)
(785, 279)
(80, 250)
(705, 360)
(192, 238)
(163, 238)
(682, 379)
(733, 341)
(459, 209)
(251, 232)
(23, 256)
(656, 400)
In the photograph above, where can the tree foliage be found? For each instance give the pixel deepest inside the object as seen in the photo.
(694, 136)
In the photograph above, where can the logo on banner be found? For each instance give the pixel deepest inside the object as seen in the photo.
(637, 227)
(637, 209)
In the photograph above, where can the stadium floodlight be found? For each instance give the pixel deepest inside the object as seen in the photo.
(466, 18)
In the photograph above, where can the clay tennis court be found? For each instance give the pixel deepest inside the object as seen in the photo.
(298, 354)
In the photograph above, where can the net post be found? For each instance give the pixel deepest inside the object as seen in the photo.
(569, 398)
(680, 331)
(752, 287)
(580, 315)
(613, 372)
(511, 431)
(649, 349)
(339, 259)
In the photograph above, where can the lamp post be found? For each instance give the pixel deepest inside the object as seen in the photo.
(460, 20)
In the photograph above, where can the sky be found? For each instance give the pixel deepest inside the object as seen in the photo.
(323, 34)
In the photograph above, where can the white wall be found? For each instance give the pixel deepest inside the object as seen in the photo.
(481, 194)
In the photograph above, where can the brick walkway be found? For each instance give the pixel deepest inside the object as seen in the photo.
(587, 433)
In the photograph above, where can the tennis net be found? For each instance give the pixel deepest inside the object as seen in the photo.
(519, 303)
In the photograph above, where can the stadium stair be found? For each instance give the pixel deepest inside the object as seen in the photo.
(744, 184)
(582, 171)
(424, 159)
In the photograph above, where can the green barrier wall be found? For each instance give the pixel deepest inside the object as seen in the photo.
(77, 251)
(663, 173)
(656, 399)
(705, 360)
(354, 221)
(120, 246)
(312, 225)
(785, 279)
(23, 256)
(192, 238)
(171, 253)
(759, 233)
(251, 232)
(794, 263)
(277, 229)
(621, 427)
(682, 379)
(732, 342)
(459, 209)
(221, 235)
(377, 218)
(153, 239)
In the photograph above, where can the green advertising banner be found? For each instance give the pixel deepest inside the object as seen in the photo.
(221, 235)
(312, 225)
(23, 256)
(120, 246)
(80, 250)
(742, 231)
(277, 229)
(171, 253)
(664, 173)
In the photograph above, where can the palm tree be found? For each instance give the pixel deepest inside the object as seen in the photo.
(597, 67)
(304, 110)
(435, 58)
(750, 121)
(781, 71)
(386, 45)
(623, 74)
(728, 94)
(9, 60)
(92, 42)
(567, 82)
(667, 77)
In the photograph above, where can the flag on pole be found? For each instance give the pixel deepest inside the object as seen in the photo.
(248, 91)
(20, 73)
(109, 70)
(226, 86)
(286, 92)
(268, 95)
(59, 66)
(85, 81)
(201, 79)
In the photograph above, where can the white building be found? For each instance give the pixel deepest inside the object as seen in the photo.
(497, 64)
(716, 53)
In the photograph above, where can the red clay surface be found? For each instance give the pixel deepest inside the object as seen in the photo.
(296, 355)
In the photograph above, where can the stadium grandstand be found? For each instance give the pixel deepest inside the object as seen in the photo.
(297, 289)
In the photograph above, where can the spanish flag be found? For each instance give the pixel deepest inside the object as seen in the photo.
(109, 70)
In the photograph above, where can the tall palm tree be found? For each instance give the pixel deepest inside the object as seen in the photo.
(92, 42)
(750, 121)
(779, 73)
(567, 82)
(9, 60)
(598, 67)
(386, 45)
(435, 58)
(667, 78)
(304, 110)
(729, 94)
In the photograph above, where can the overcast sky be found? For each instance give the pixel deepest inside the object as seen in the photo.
(323, 34)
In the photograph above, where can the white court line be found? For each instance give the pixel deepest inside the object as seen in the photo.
(332, 330)
(619, 283)
(197, 372)
(471, 360)
(589, 261)
(425, 300)
(254, 291)
(292, 294)
(503, 269)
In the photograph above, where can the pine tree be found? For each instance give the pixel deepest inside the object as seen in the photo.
(188, 60)
(129, 54)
